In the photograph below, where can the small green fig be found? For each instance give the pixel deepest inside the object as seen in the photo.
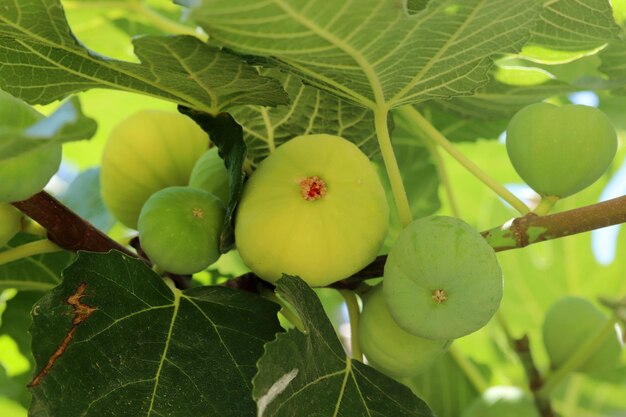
(502, 401)
(210, 174)
(559, 151)
(442, 279)
(569, 322)
(26, 174)
(10, 222)
(145, 153)
(179, 229)
(387, 347)
(314, 208)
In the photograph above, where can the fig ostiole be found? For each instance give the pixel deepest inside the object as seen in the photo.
(388, 347)
(442, 279)
(10, 222)
(145, 153)
(179, 229)
(210, 174)
(314, 208)
(571, 321)
(25, 175)
(559, 151)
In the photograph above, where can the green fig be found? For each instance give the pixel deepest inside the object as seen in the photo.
(442, 279)
(26, 174)
(569, 322)
(559, 151)
(387, 347)
(210, 174)
(179, 229)
(10, 222)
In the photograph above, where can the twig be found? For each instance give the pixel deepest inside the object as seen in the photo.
(535, 380)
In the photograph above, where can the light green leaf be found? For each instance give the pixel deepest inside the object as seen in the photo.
(22, 129)
(613, 59)
(308, 374)
(37, 273)
(571, 29)
(83, 197)
(124, 337)
(373, 52)
(311, 111)
(41, 61)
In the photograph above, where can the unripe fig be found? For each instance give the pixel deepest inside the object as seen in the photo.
(387, 347)
(145, 153)
(568, 324)
(26, 174)
(315, 208)
(10, 222)
(442, 279)
(210, 174)
(502, 401)
(559, 151)
(179, 229)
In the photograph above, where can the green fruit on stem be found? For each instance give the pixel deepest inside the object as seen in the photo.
(390, 349)
(27, 174)
(315, 208)
(179, 229)
(559, 151)
(568, 324)
(145, 153)
(502, 401)
(442, 279)
(210, 174)
(10, 222)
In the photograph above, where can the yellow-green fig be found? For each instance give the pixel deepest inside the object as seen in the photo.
(179, 229)
(314, 208)
(559, 151)
(390, 349)
(442, 279)
(568, 324)
(25, 175)
(145, 153)
(10, 222)
(210, 174)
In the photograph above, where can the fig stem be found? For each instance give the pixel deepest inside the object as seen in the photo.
(469, 369)
(443, 177)
(354, 314)
(546, 204)
(591, 345)
(391, 165)
(434, 135)
(38, 247)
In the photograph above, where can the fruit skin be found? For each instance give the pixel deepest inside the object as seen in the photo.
(27, 174)
(210, 174)
(145, 153)
(387, 347)
(502, 401)
(569, 322)
(179, 229)
(559, 151)
(10, 222)
(442, 253)
(277, 230)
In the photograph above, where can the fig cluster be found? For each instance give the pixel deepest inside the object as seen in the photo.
(159, 176)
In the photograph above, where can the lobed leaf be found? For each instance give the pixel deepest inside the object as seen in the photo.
(309, 373)
(114, 338)
(372, 52)
(41, 61)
